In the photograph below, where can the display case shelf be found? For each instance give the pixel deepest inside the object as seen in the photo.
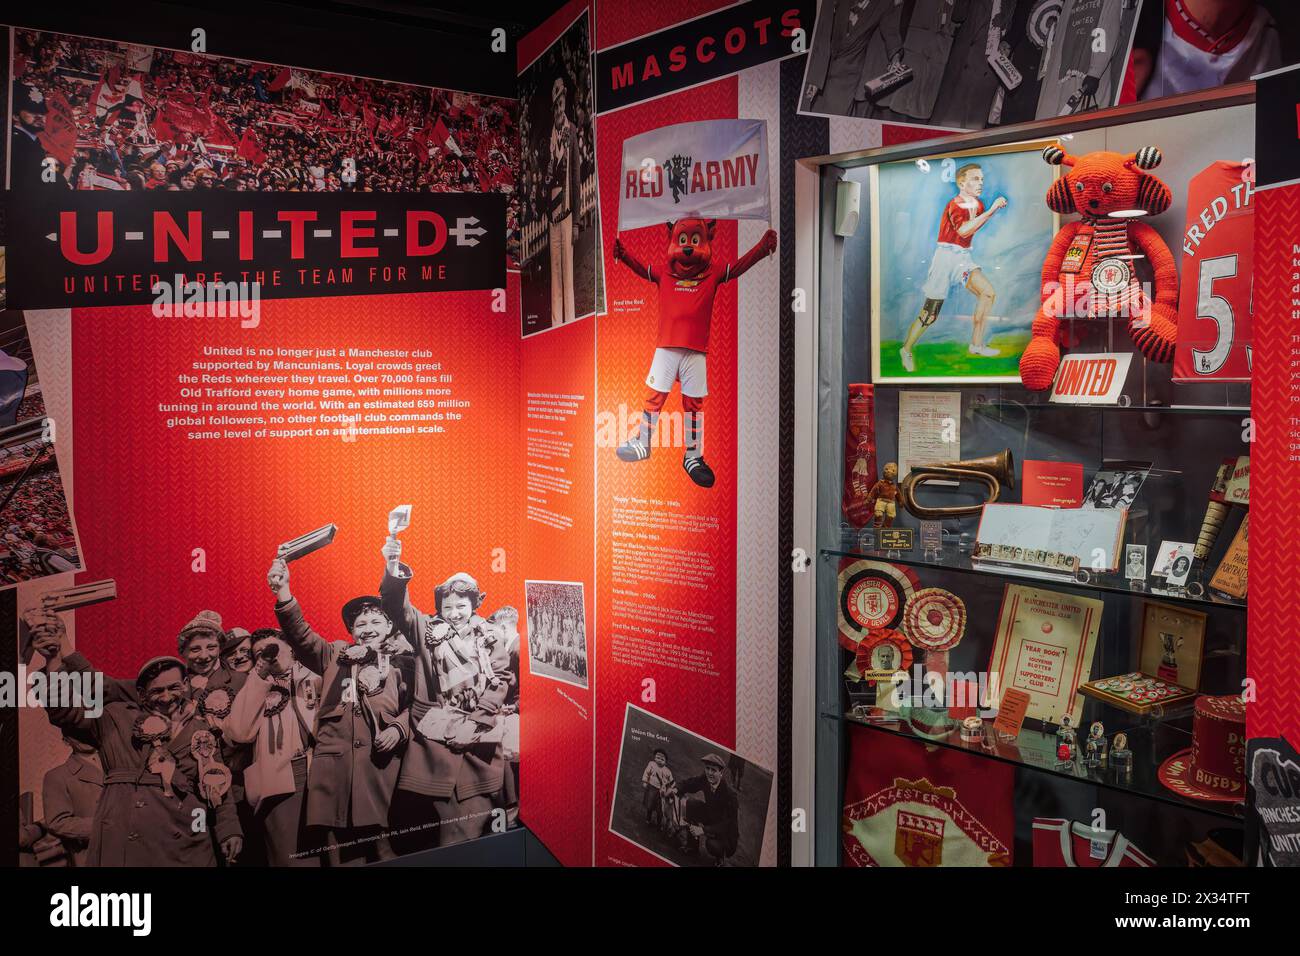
(1151, 742)
(1003, 407)
(951, 559)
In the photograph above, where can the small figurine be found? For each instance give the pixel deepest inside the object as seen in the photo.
(972, 730)
(1095, 748)
(1065, 741)
(883, 497)
(1121, 758)
(1168, 669)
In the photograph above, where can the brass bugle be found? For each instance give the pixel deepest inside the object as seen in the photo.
(991, 471)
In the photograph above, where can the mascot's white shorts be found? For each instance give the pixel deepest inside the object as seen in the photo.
(669, 365)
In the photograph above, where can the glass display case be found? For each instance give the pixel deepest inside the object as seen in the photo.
(1024, 579)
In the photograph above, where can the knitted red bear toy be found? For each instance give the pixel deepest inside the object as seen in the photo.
(1089, 271)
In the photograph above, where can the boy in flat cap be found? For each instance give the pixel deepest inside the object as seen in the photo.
(162, 772)
(455, 767)
(361, 725)
(237, 650)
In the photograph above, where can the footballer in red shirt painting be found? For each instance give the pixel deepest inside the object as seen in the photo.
(953, 265)
(687, 281)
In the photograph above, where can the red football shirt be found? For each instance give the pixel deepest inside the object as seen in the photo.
(686, 308)
(956, 214)
(1215, 290)
(1062, 843)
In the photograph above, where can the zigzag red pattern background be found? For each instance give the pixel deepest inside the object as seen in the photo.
(1274, 661)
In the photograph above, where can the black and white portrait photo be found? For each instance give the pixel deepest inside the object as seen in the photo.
(560, 244)
(685, 799)
(966, 64)
(557, 631)
(1116, 484)
(1135, 562)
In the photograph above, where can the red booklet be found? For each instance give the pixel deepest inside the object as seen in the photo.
(1052, 484)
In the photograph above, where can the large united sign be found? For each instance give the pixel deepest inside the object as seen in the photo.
(100, 248)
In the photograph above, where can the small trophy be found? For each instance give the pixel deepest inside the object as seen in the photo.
(398, 519)
(1169, 645)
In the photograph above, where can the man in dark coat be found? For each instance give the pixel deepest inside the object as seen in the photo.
(213, 686)
(857, 44)
(70, 792)
(712, 822)
(160, 807)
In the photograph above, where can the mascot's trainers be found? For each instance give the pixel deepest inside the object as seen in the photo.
(906, 356)
(700, 472)
(633, 450)
(982, 350)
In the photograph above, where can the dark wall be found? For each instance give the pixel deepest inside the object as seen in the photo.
(411, 43)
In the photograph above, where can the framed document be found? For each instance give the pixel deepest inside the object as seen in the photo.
(1044, 647)
(1169, 662)
(929, 429)
(1173, 643)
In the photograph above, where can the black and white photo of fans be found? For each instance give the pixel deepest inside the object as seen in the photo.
(126, 117)
(966, 65)
(332, 735)
(557, 631)
(562, 278)
(686, 799)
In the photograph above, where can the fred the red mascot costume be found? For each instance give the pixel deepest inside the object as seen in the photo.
(1089, 272)
(687, 280)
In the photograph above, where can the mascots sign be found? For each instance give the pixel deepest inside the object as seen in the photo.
(715, 169)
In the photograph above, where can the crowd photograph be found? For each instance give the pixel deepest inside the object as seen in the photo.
(296, 745)
(557, 631)
(686, 799)
(123, 117)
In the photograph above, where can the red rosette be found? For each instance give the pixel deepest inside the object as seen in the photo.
(882, 653)
(934, 619)
(151, 728)
(369, 680)
(358, 654)
(872, 596)
(277, 698)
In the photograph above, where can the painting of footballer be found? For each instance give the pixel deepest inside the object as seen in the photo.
(954, 241)
(953, 265)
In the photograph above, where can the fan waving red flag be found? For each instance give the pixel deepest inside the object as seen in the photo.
(59, 137)
(250, 149)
